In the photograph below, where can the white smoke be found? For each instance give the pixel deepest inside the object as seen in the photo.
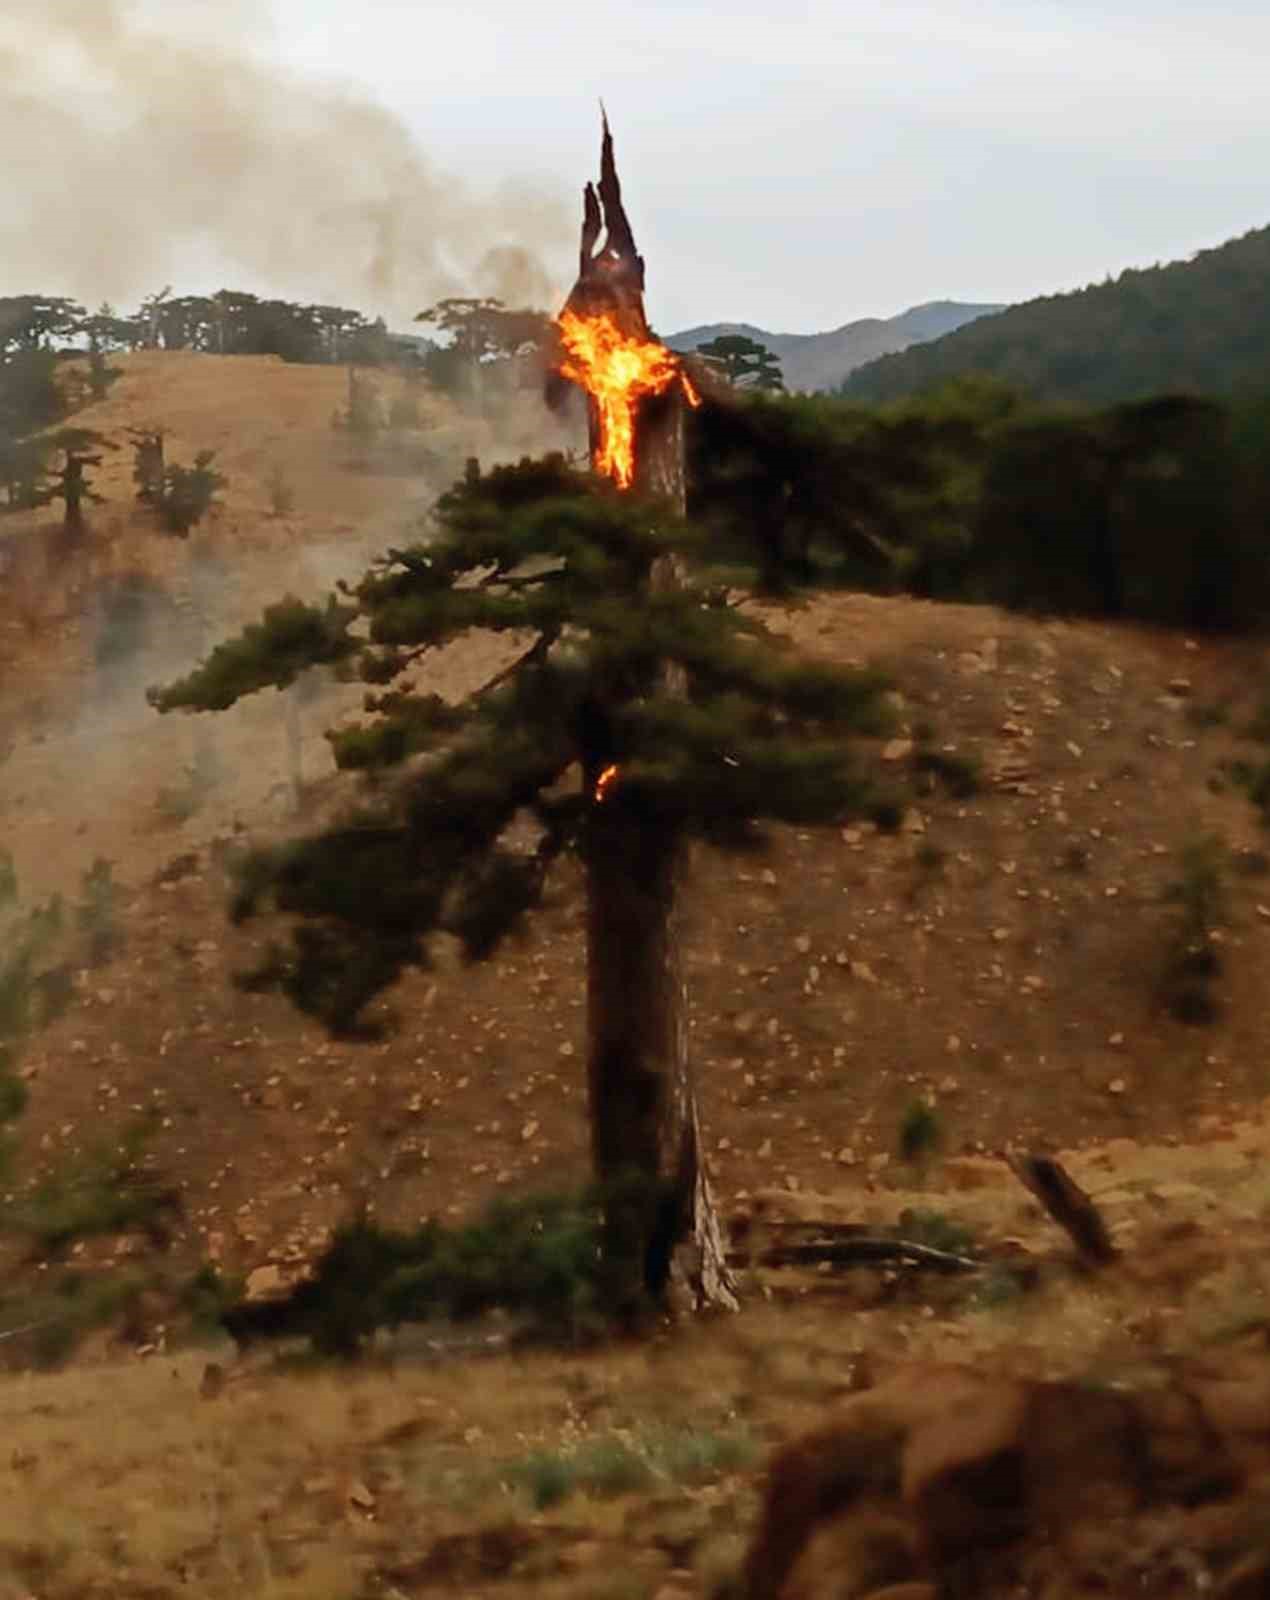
(148, 148)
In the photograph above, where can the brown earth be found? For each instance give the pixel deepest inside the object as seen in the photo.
(999, 956)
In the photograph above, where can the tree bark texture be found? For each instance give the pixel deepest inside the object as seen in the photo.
(644, 1120)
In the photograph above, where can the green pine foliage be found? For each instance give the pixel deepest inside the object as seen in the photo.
(189, 493)
(561, 562)
(271, 653)
(826, 490)
(1155, 509)
(537, 1257)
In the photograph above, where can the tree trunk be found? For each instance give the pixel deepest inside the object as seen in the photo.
(295, 743)
(646, 1134)
(661, 1224)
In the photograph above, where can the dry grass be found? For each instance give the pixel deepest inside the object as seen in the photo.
(571, 1474)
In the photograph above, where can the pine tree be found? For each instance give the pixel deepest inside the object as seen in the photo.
(743, 362)
(635, 718)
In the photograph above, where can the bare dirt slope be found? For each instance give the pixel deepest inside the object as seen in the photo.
(999, 956)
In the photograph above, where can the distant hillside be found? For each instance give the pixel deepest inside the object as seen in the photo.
(823, 360)
(1201, 325)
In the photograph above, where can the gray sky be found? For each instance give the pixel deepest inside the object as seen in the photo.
(796, 165)
(803, 163)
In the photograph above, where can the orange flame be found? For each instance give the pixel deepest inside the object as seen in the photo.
(617, 371)
(605, 784)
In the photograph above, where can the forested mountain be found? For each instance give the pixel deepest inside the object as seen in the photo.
(1200, 326)
(811, 361)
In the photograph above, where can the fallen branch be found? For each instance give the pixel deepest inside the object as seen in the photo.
(30, 1327)
(1067, 1204)
(854, 1251)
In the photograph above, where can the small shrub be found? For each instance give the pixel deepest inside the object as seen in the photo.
(1254, 779)
(1001, 1286)
(546, 1477)
(8, 880)
(1192, 960)
(693, 1455)
(148, 464)
(921, 1132)
(539, 1258)
(206, 1297)
(930, 857)
(1208, 715)
(886, 813)
(960, 775)
(608, 1468)
(281, 493)
(936, 1230)
(48, 1323)
(97, 914)
(104, 1191)
(1258, 727)
(189, 493)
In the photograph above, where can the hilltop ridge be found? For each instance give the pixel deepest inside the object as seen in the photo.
(823, 360)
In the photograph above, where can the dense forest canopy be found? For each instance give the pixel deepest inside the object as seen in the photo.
(1201, 326)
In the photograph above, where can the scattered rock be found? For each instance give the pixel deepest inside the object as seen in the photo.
(264, 1282)
(359, 1496)
(944, 1468)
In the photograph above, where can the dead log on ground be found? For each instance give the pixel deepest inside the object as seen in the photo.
(1068, 1204)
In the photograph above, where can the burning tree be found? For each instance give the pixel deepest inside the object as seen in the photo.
(640, 711)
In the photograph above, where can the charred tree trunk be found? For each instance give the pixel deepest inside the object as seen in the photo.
(661, 1220)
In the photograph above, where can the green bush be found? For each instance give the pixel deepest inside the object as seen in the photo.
(47, 1323)
(609, 1466)
(933, 1228)
(1192, 961)
(921, 1131)
(104, 1191)
(97, 914)
(189, 493)
(960, 775)
(538, 1258)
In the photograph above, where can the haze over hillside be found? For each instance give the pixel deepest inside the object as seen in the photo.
(1200, 325)
(823, 360)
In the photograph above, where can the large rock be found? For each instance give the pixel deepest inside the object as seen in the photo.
(947, 1477)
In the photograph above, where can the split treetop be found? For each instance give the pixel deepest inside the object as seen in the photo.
(607, 348)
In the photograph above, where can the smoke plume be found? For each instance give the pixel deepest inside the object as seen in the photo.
(143, 150)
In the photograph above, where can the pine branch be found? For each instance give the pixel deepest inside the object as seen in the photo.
(271, 653)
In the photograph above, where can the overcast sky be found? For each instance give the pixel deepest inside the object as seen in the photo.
(804, 163)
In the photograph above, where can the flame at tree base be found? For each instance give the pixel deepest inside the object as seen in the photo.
(617, 371)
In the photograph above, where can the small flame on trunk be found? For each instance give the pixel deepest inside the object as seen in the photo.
(605, 784)
(617, 371)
